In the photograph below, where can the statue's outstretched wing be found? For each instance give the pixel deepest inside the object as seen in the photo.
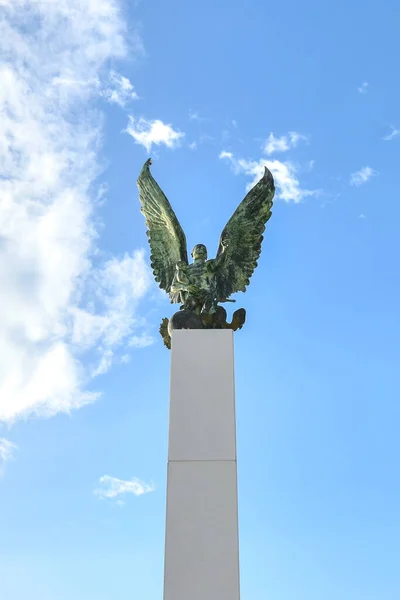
(240, 242)
(166, 236)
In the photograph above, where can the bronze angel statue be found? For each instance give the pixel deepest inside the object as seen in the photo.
(200, 287)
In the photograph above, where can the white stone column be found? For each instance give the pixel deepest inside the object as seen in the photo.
(201, 549)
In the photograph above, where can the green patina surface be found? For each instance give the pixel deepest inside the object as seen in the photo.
(199, 287)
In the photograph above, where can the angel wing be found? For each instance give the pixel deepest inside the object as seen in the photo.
(240, 242)
(166, 236)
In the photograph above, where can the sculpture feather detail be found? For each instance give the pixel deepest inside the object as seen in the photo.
(240, 242)
(166, 236)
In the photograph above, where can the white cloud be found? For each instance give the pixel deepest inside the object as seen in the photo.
(112, 487)
(7, 450)
(225, 154)
(363, 88)
(120, 90)
(149, 133)
(362, 176)
(274, 144)
(362, 216)
(283, 143)
(53, 56)
(119, 285)
(193, 146)
(285, 177)
(393, 134)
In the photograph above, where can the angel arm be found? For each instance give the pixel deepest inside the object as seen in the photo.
(240, 242)
(166, 236)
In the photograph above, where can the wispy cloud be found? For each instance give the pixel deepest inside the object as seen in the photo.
(393, 134)
(194, 116)
(141, 341)
(285, 176)
(363, 88)
(283, 143)
(362, 176)
(54, 303)
(105, 362)
(112, 487)
(119, 90)
(7, 450)
(153, 133)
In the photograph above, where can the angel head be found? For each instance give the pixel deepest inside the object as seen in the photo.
(199, 252)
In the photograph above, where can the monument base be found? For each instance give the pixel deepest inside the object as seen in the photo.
(201, 550)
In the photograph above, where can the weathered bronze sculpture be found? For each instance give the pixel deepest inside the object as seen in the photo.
(200, 287)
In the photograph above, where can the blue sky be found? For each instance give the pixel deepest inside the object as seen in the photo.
(212, 91)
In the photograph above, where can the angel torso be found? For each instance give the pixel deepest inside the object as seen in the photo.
(195, 285)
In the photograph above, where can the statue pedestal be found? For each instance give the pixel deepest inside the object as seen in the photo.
(201, 549)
